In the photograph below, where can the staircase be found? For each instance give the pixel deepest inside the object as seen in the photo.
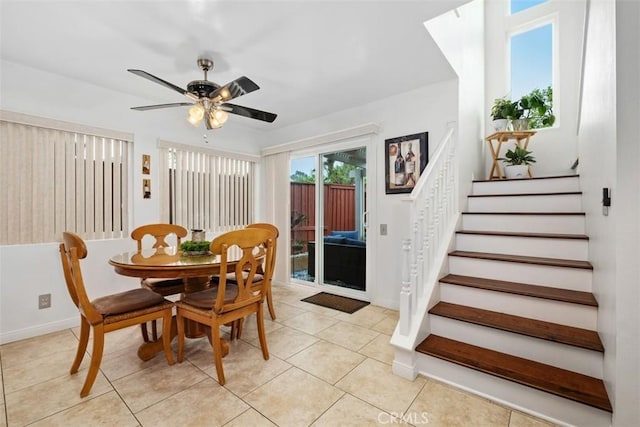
(516, 309)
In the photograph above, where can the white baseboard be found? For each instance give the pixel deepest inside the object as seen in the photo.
(34, 331)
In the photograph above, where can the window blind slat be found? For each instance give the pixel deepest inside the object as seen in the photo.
(49, 185)
(80, 184)
(60, 181)
(163, 183)
(108, 188)
(13, 191)
(117, 178)
(90, 180)
(4, 182)
(98, 190)
(69, 177)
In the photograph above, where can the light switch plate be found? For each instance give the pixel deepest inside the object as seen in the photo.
(383, 229)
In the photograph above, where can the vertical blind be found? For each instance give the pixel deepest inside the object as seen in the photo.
(54, 180)
(205, 189)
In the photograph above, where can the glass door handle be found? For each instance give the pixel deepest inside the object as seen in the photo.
(365, 219)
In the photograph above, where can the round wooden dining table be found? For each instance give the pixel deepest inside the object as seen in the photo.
(170, 262)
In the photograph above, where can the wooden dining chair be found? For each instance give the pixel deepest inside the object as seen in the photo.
(227, 302)
(108, 313)
(276, 233)
(164, 287)
(259, 277)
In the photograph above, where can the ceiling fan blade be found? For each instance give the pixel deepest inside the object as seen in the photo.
(238, 87)
(249, 112)
(158, 106)
(158, 80)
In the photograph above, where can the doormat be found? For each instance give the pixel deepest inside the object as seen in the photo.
(336, 302)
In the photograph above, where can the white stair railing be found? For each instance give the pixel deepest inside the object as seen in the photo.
(433, 207)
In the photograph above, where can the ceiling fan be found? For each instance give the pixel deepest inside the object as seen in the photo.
(209, 100)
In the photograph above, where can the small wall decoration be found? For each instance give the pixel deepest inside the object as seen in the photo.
(146, 164)
(146, 188)
(405, 159)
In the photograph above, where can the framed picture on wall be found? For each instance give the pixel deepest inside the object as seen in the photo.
(146, 188)
(405, 159)
(146, 164)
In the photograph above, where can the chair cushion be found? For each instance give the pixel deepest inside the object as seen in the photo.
(334, 239)
(163, 282)
(355, 242)
(135, 299)
(231, 278)
(350, 234)
(206, 299)
(164, 287)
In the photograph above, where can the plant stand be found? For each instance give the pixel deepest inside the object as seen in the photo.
(521, 137)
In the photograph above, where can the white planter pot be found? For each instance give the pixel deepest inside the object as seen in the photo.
(499, 124)
(516, 171)
(520, 124)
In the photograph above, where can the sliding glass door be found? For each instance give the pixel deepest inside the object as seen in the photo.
(328, 219)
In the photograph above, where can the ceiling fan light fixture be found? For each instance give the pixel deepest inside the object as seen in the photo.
(208, 99)
(213, 122)
(220, 115)
(196, 113)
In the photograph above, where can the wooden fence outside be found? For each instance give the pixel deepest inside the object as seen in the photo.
(339, 210)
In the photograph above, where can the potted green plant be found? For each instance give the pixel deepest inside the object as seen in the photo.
(517, 162)
(501, 111)
(535, 110)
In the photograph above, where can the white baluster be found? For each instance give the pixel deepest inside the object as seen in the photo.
(414, 267)
(405, 292)
(419, 243)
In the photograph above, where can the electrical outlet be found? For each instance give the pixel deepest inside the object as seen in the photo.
(44, 301)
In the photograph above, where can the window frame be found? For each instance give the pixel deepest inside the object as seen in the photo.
(519, 24)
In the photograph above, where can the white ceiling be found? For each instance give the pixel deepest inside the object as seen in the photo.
(310, 58)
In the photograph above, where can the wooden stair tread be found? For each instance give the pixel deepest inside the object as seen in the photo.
(517, 234)
(523, 213)
(537, 291)
(563, 193)
(555, 332)
(520, 179)
(560, 382)
(554, 262)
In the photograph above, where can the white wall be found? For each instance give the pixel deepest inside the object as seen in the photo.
(459, 35)
(627, 201)
(598, 168)
(609, 155)
(427, 109)
(27, 271)
(555, 149)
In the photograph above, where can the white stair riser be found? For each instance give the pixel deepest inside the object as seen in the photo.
(564, 313)
(550, 185)
(562, 356)
(577, 279)
(527, 399)
(556, 203)
(576, 249)
(565, 224)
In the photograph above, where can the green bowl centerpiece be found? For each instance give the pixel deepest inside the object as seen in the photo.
(190, 248)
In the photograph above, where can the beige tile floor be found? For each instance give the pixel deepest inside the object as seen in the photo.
(326, 368)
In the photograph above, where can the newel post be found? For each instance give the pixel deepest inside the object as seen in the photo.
(405, 292)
